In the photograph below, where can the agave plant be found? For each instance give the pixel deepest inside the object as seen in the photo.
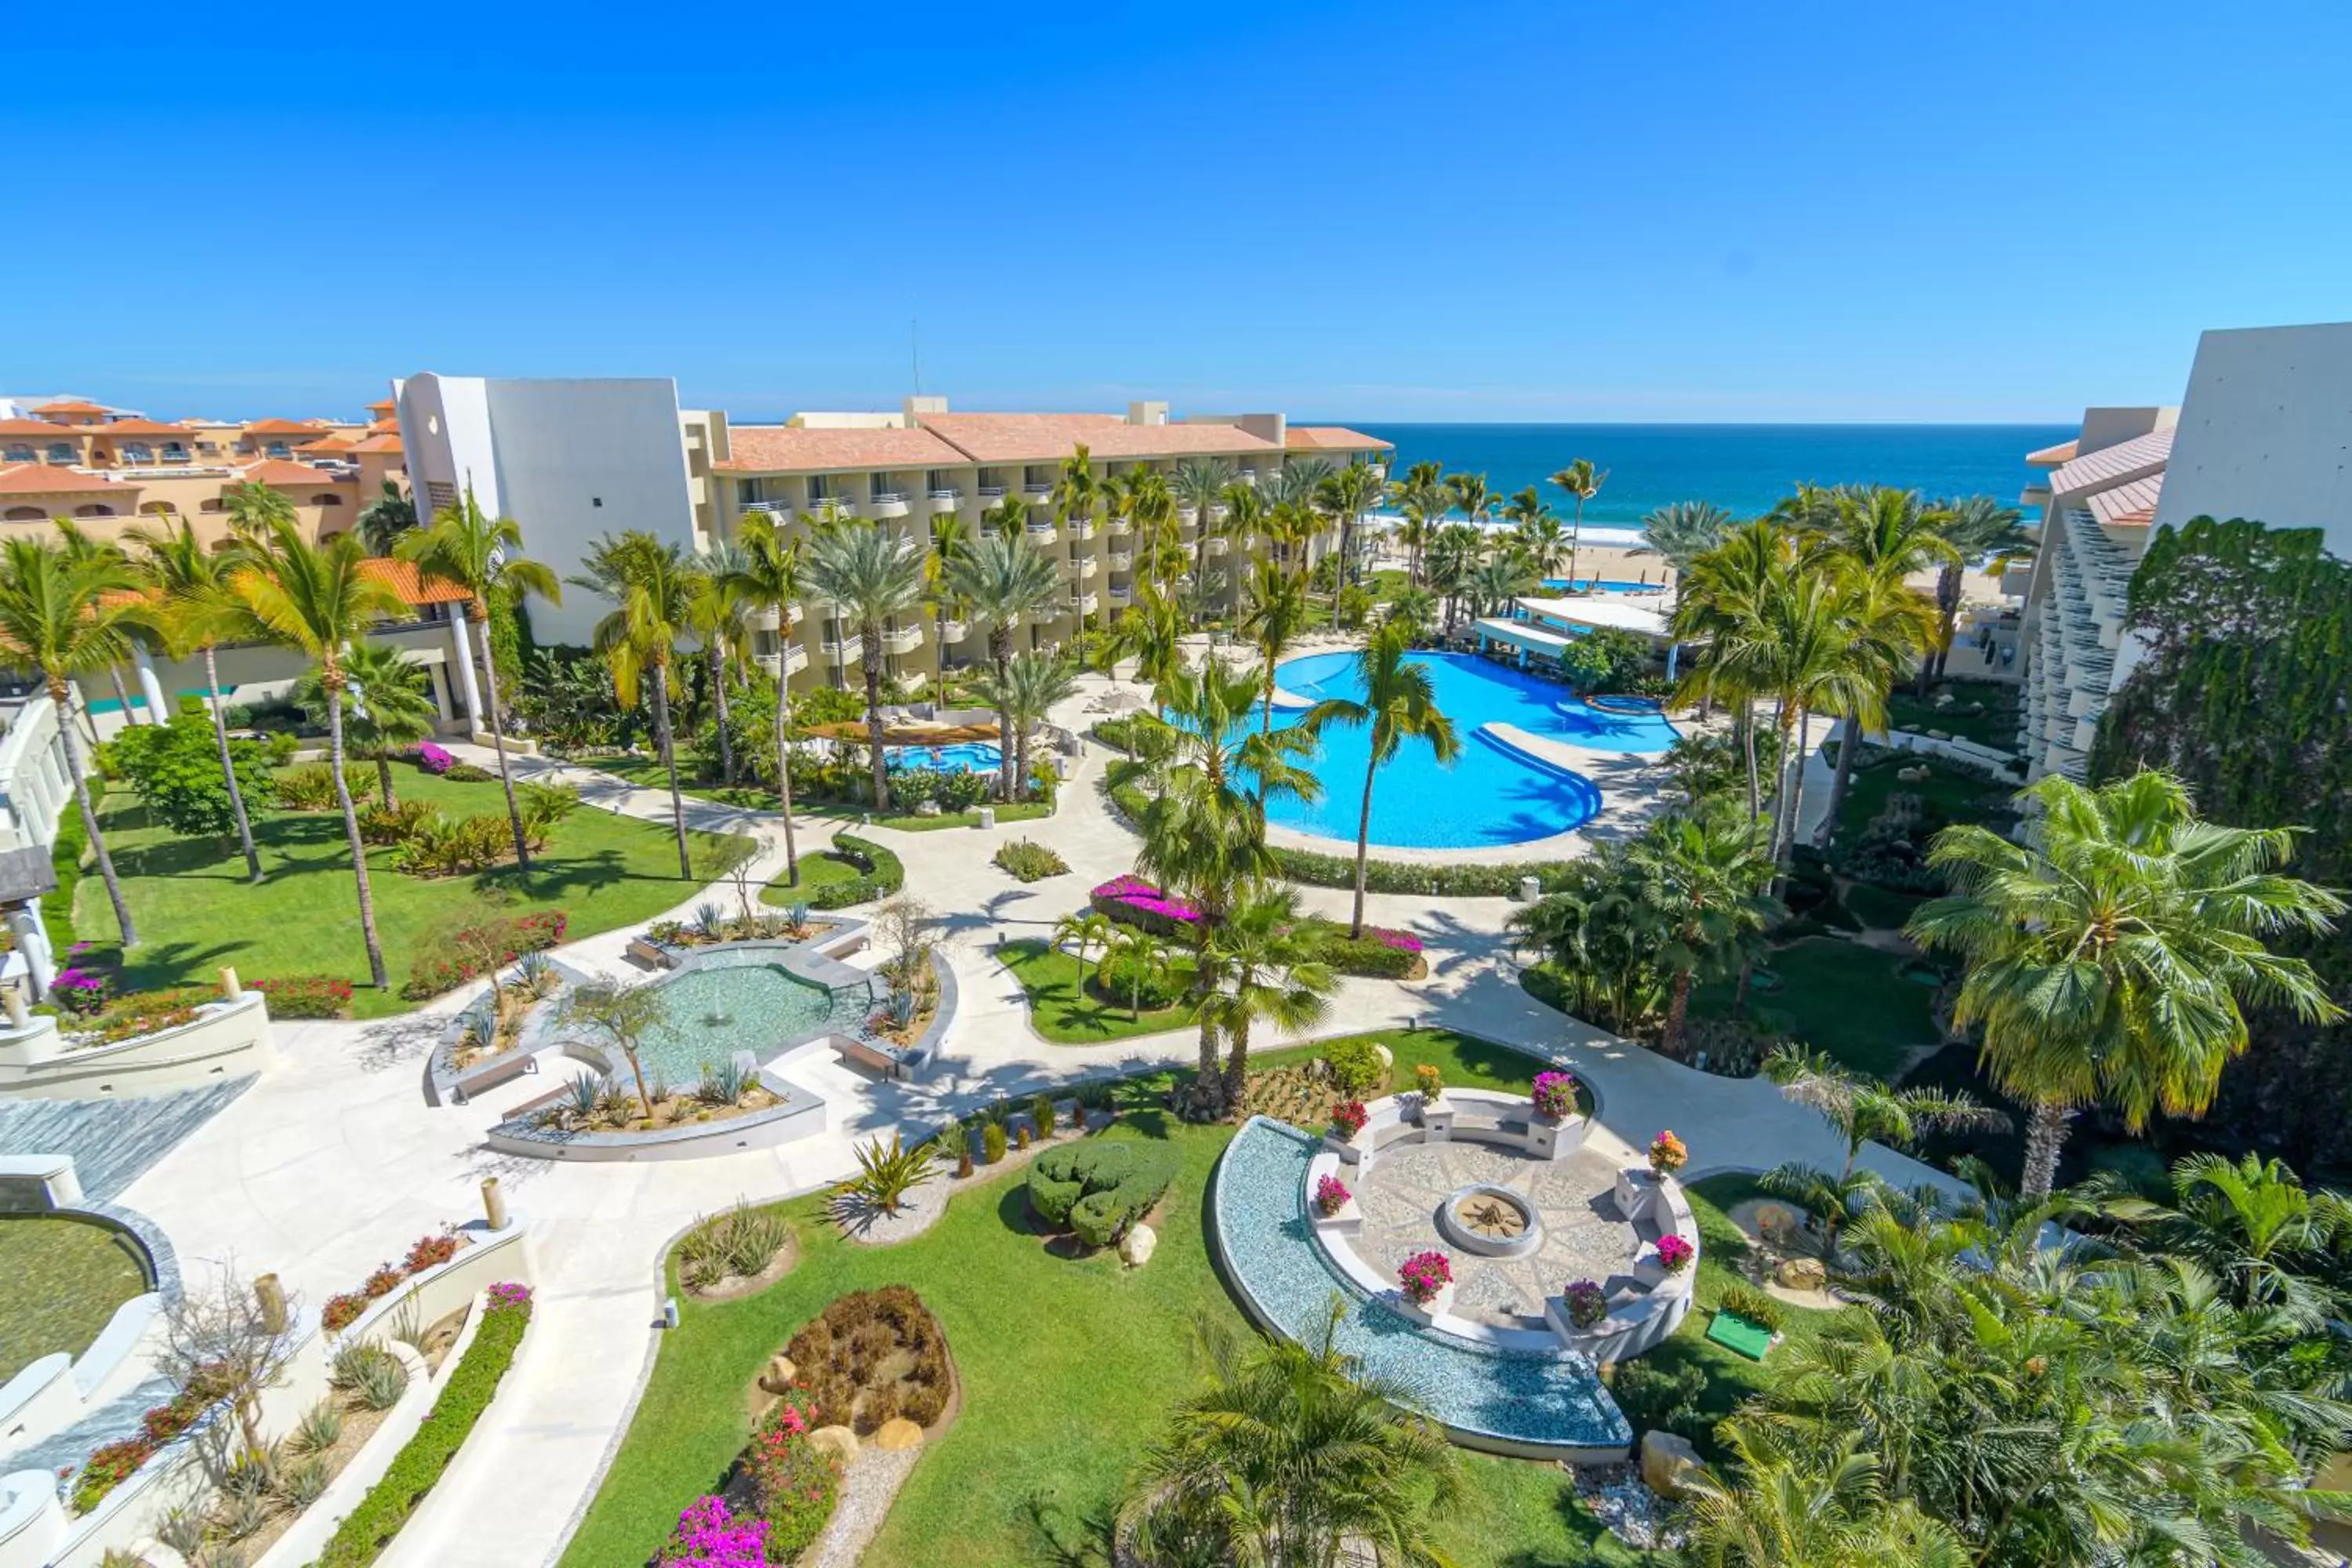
(797, 916)
(902, 1009)
(723, 1083)
(536, 973)
(710, 919)
(582, 1094)
(955, 1143)
(887, 1175)
(481, 1022)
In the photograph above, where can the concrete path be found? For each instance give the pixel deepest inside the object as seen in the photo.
(333, 1162)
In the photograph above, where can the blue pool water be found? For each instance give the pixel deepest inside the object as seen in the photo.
(1491, 794)
(964, 757)
(1605, 584)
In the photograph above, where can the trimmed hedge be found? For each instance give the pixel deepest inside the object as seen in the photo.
(880, 874)
(65, 859)
(1434, 881)
(1098, 1191)
(369, 1528)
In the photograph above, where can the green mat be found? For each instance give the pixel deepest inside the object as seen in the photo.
(1734, 1333)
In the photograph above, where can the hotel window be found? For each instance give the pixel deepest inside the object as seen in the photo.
(280, 450)
(27, 514)
(95, 509)
(20, 454)
(938, 481)
(174, 453)
(61, 452)
(322, 499)
(820, 490)
(747, 491)
(138, 452)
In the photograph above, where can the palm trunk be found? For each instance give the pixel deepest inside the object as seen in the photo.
(1000, 653)
(1020, 765)
(62, 695)
(480, 614)
(1746, 720)
(2045, 1131)
(1363, 841)
(1848, 744)
(115, 673)
(1266, 721)
(1575, 537)
(1339, 574)
(1209, 1084)
(1677, 1011)
(334, 684)
(718, 714)
(870, 664)
(669, 763)
(228, 769)
(1238, 1063)
(384, 778)
(784, 782)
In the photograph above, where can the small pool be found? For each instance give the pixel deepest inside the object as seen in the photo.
(963, 757)
(1493, 794)
(1599, 584)
(730, 1002)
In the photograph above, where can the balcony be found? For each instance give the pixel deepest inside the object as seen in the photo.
(1084, 604)
(841, 506)
(1122, 561)
(886, 503)
(989, 494)
(1219, 544)
(902, 639)
(782, 510)
(1120, 527)
(1082, 529)
(1187, 513)
(1089, 565)
(946, 499)
(842, 650)
(1038, 494)
(1247, 477)
(954, 629)
(784, 665)
(1042, 533)
(1120, 598)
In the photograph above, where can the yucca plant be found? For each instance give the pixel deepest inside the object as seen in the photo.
(887, 1175)
(955, 1143)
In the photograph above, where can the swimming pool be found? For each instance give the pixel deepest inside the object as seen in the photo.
(730, 1001)
(1492, 795)
(1604, 584)
(963, 757)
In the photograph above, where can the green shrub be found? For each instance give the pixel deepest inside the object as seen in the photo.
(1114, 981)
(1366, 955)
(175, 768)
(65, 859)
(1029, 861)
(369, 1528)
(388, 825)
(880, 874)
(311, 786)
(1655, 1398)
(1098, 1190)
(991, 1141)
(467, 773)
(1400, 877)
(1356, 1068)
(1758, 1307)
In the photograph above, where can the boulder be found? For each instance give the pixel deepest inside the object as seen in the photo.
(1776, 1223)
(838, 1441)
(1135, 1248)
(1387, 1057)
(1801, 1274)
(777, 1376)
(1667, 1461)
(898, 1434)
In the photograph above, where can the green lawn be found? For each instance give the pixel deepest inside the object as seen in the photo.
(1062, 1010)
(195, 911)
(1995, 727)
(816, 869)
(1960, 797)
(1840, 997)
(61, 1280)
(1881, 908)
(1067, 1369)
(647, 774)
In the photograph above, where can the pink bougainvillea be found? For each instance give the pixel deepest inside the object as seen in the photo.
(1134, 901)
(1424, 1274)
(1674, 1254)
(709, 1535)
(1331, 1194)
(1555, 1095)
(1347, 1117)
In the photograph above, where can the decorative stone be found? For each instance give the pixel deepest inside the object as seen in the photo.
(778, 1376)
(1801, 1274)
(838, 1441)
(1776, 1223)
(1135, 1247)
(1667, 1462)
(1386, 1057)
(898, 1434)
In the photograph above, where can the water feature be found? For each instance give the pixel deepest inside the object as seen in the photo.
(730, 1002)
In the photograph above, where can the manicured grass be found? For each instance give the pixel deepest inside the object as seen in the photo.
(1067, 1013)
(817, 869)
(1880, 908)
(1011, 811)
(1995, 727)
(1840, 998)
(61, 1280)
(647, 772)
(196, 912)
(1067, 1369)
(1959, 796)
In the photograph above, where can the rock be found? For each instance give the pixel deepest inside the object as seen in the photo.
(840, 1442)
(778, 1376)
(1135, 1248)
(898, 1434)
(927, 808)
(1387, 1057)
(1666, 1461)
(1801, 1274)
(1776, 1223)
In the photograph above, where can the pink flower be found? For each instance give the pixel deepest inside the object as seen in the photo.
(711, 1536)
(1331, 1194)
(1555, 1095)
(1675, 1254)
(1424, 1274)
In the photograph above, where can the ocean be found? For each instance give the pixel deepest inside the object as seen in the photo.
(1743, 468)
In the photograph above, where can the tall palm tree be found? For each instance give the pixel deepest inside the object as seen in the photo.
(1246, 514)
(1581, 480)
(1535, 534)
(1077, 497)
(1293, 1456)
(2107, 958)
(1264, 969)
(1032, 683)
(1979, 530)
(1347, 495)
(768, 574)
(63, 614)
(316, 600)
(1275, 612)
(1453, 555)
(951, 536)
(1201, 484)
(483, 555)
(872, 579)
(720, 620)
(1297, 480)
(1472, 498)
(1400, 704)
(255, 511)
(652, 587)
(1003, 578)
(1706, 876)
(386, 705)
(1684, 530)
(383, 521)
(1888, 622)
(1424, 498)
(1722, 593)
(190, 586)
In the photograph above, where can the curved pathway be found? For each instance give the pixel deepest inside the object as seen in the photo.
(334, 1161)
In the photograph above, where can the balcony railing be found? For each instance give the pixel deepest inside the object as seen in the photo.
(1122, 559)
(791, 661)
(902, 639)
(1084, 604)
(899, 496)
(1120, 527)
(991, 492)
(953, 630)
(946, 497)
(1043, 533)
(1082, 529)
(1037, 494)
(1089, 565)
(844, 649)
(1120, 598)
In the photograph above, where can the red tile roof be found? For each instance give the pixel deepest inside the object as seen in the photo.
(382, 408)
(2132, 459)
(384, 442)
(38, 427)
(2051, 457)
(384, 426)
(283, 474)
(283, 428)
(139, 428)
(73, 405)
(410, 585)
(41, 480)
(2131, 504)
(335, 443)
(784, 448)
(1333, 437)
(1049, 437)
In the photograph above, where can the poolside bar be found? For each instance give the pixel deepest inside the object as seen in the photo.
(1545, 626)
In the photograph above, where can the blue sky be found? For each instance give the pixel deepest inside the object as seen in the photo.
(1695, 211)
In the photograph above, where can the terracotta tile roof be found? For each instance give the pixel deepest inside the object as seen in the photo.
(1333, 437)
(73, 405)
(410, 585)
(41, 480)
(335, 443)
(381, 409)
(2132, 459)
(139, 427)
(2051, 457)
(37, 427)
(283, 474)
(386, 442)
(1049, 437)
(2131, 504)
(383, 427)
(283, 427)
(784, 448)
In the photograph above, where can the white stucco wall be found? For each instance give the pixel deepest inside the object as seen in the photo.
(2265, 432)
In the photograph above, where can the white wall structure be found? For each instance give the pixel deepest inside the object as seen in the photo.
(2266, 432)
(568, 460)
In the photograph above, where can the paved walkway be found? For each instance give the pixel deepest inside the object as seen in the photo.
(333, 1162)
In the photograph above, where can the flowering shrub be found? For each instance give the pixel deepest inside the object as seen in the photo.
(141, 1013)
(451, 965)
(1430, 1082)
(111, 1466)
(1555, 1095)
(509, 1296)
(1347, 1117)
(1132, 900)
(341, 1311)
(1586, 1304)
(426, 1252)
(1424, 1274)
(1403, 941)
(1331, 1194)
(430, 1252)
(1667, 1154)
(1674, 1254)
(432, 759)
(794, 1483)
(307, 996)
(82, 992)
(709, 1536)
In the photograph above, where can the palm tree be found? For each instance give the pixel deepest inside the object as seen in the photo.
(1297, 480)
(1142, 955)
(1293, 1457)
(1424, 498)
(316, 600)
(2251, 1224)
(387, 704)
(1031, 685)
(1887, 624)
(1200, 483)
(1721, 594)
(1084, 930)
(1263, 968)
(951, 536)
(483, 555)
(1787, 1508)
(1453, 555)
(1077, 495)
(1535, 534)
(768, 574)
(1001, 578)
(872, 579)
(1684, 530)
(382, 521)
(1274, 616)
(653, 590)
(721, 618)
(1347, 495)
(1247, 515)
(191, 588)
(1978, 528)
(255, 511)
(2108, 958)
(1400, 704)
(1864, 1110)
(1706, 876)
(1581, 480)
(61, 615)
